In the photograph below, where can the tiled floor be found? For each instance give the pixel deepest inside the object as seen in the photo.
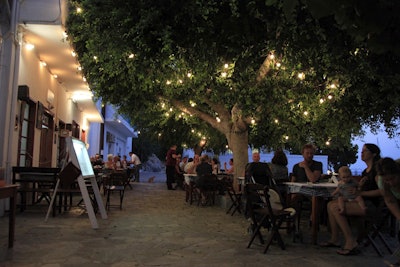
(156, 228)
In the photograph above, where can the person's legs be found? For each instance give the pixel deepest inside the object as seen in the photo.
(170, 171)
(332, 222)
(137, 172)
(353, 209)
(341, 204)
(361, 202)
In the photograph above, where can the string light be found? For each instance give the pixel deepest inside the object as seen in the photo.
(224, 74)
(301, 76)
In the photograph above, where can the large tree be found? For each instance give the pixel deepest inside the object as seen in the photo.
(236, 70)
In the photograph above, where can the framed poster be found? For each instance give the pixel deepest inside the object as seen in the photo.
(39, 115)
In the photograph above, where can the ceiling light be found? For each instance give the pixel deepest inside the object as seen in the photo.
(29, 46)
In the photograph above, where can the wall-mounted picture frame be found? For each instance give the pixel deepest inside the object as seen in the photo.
(39, 115)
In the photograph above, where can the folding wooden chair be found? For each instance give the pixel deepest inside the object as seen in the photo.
(375, 226)
(235, 197)
(114, 182)
(265, 214)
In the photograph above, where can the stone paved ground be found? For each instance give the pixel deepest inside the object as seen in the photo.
(156, 228)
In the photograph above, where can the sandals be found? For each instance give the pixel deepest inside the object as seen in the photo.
(329, 244)
(348, 252)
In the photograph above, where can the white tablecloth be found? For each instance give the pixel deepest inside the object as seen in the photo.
(311, 189)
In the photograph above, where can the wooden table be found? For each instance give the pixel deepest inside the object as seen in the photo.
(38, 181)
(10, 191)
(316, 191)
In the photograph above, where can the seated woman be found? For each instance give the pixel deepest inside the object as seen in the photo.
(230, 169)
(389, 183)
(109, 164)
(370, 154)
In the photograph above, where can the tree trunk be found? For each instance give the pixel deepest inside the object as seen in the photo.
(238, 143)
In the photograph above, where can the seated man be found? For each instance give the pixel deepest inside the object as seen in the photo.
(259, 171)
(308, 170)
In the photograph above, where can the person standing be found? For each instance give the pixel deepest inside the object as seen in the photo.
(170, 163)
(135, 160)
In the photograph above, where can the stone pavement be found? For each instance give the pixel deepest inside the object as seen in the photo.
(156, 228)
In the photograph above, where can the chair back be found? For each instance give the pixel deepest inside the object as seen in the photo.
(116, 179)
(207, 182)
(68, 176)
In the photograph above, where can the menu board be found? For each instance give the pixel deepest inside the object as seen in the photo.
(78, 151)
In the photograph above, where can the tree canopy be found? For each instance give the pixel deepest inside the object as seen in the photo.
(266, 73)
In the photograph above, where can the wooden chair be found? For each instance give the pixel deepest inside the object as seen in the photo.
(375, 225)
(235, 197)
(207, 189)
(267, 213)
(67, 185)
(114, 182)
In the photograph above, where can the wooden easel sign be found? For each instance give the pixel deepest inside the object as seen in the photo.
(78, 156)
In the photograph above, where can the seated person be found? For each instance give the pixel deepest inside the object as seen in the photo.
(259, 171)
(230, 169)
(192, 164)
(388, 172)
(97, 161)
(109, 164)
(347, 190)
(308, 170)
(203, 170)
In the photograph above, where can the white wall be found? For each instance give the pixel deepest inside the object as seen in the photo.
(39, 81)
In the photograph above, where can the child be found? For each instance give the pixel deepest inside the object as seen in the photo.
(346, 189)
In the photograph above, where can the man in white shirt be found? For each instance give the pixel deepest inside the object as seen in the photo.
(137, 166)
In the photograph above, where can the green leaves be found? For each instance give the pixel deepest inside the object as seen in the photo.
(317, 74)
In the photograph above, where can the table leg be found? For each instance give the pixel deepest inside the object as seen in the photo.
(314, 219)
(11, 225)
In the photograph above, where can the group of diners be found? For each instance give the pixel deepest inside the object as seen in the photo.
(354, 200)
(356, 197)
(115, 162)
